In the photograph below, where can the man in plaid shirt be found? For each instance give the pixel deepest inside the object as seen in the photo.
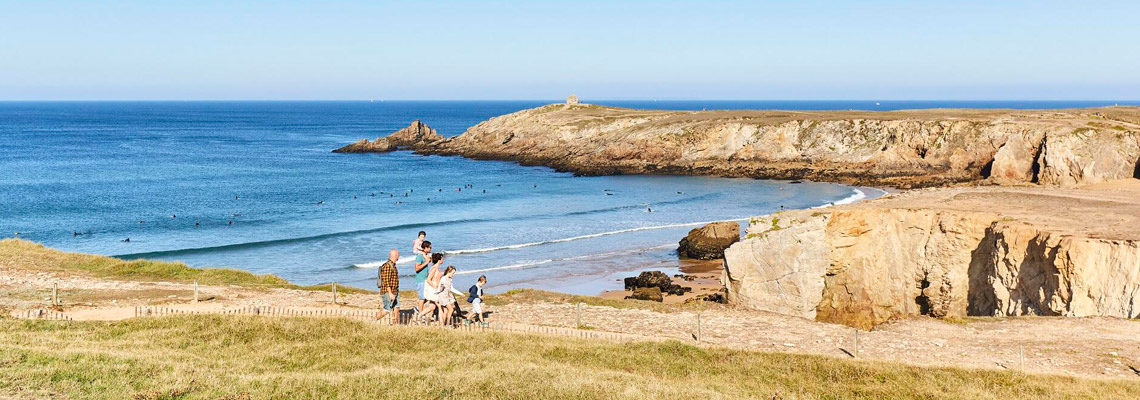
(389, 284)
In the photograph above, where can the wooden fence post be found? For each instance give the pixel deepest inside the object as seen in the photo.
(54, 294)
(579, 326)
(856, 355)
(1021, 356)
(698, 327)
(334, 292)
(195, 290)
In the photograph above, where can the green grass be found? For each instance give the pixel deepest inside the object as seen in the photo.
(205, 357)
(23, 254)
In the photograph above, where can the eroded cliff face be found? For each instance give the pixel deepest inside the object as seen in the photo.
(862, 266)
(1021, 270)
(897, 148)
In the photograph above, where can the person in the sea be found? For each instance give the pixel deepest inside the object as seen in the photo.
(388, 281)
(444, 295)
(422, 262)
(418, 244)
(475, 297)
(431, 289)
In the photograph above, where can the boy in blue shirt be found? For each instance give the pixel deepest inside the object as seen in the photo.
(475, 297)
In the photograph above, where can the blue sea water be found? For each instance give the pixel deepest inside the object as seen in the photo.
(254, 186)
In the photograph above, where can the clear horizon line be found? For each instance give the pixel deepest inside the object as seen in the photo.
(551, 100)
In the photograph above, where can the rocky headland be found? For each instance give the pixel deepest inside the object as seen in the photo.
(1027, 212)
(911, 148)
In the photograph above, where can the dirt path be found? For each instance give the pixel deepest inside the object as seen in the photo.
(1097, 347)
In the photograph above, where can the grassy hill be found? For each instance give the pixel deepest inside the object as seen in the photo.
(255, 357)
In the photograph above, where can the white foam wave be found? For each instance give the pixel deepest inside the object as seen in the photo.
(858, 195)
(540, 262)
(581, 237)
(511, 266)
(377, 264)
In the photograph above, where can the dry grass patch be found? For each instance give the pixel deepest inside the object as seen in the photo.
(26, 255)
(214, 356)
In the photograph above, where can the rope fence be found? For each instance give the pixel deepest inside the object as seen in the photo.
(406, 318)
(44, 314)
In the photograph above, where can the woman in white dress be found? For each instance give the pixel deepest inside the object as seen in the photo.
(430, 287)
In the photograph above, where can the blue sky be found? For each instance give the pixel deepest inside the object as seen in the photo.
(546, 49)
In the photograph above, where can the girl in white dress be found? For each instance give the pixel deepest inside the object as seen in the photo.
(443, 295)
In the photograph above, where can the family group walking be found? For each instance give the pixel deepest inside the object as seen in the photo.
(434, 287)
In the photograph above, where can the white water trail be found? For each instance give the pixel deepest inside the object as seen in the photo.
(581, 237)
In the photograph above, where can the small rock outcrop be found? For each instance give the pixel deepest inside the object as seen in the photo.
(655, 279)
(415, 137)
(709, 242)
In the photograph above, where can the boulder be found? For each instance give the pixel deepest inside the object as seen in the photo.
(655, 279)
(649, 293)
(709, 242)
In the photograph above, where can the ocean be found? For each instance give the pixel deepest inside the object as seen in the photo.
(254, 186)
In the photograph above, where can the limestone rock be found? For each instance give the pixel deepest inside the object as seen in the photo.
(709, 242)
(1016, 161)
(946, 252)
(779, 267)
(1022, 270)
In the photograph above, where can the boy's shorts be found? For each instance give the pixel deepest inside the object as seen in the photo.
(420, 290)
(390, 301)
(477, 306)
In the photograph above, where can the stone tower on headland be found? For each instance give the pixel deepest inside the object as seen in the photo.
(572, 100)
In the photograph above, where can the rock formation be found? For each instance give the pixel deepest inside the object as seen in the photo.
(416, 136)
(913, 148)
(655, 279)
(946, 252)
(708, 242)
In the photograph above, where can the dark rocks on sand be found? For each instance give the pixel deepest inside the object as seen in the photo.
(650, 293)
(710, 297)
(708, 242)
(655, 279)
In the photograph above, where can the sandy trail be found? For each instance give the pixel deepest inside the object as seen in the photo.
(1097, 347)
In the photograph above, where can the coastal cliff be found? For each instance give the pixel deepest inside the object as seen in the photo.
(912, 148)
(946, 253)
